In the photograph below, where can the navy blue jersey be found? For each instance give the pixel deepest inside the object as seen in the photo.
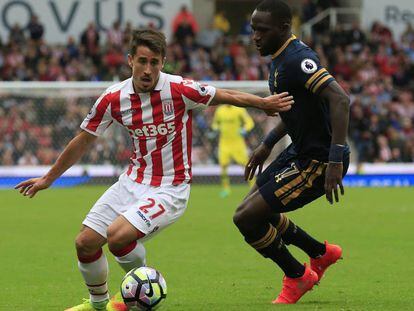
(296, 69)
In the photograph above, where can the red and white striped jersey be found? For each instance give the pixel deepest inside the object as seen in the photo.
(159, 124)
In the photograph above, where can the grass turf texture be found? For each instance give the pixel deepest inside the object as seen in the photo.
(205, 261)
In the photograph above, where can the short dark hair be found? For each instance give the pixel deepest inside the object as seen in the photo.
(278, 9)
(153, 39)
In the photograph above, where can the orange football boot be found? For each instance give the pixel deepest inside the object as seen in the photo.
(294, 288)
(116, 303)
(332, 254)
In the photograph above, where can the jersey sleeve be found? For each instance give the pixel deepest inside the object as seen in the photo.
(197, 95)
(99, 117)
(306, 71)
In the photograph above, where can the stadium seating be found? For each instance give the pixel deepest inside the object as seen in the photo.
(375, 68)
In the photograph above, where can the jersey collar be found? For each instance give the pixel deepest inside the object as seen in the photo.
(292, 37)
(161, 81)
(160, 84)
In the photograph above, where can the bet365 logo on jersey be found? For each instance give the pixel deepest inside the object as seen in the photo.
(152, 130)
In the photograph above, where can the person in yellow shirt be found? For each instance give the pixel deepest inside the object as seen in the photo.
(232, 124)
(221, 23)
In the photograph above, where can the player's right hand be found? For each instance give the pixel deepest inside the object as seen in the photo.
(333, 180)
(257, 159)
(278, 103)
(31, 186)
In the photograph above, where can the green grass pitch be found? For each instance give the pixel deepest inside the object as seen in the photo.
(203, 257)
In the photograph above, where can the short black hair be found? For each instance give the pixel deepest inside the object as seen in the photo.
(278, 9)
(152, 39)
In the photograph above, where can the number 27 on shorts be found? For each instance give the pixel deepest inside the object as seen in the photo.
(152, 210)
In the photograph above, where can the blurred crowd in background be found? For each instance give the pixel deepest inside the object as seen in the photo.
(372, 65)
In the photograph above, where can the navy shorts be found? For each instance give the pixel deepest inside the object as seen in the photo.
(290, 183)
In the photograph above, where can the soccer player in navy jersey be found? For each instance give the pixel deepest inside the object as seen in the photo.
(312, 166)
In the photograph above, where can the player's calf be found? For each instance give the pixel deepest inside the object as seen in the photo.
(93, 265)
(94, 270)
(131, 256)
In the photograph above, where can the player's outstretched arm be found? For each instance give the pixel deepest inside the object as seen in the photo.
(339, 114)
(72, 153)
(262, 152)
(271, 104)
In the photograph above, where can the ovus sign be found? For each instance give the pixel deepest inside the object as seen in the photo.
(394, 14)
(70, 17)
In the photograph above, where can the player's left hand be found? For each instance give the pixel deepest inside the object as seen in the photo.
(333, 179)
(277, 103)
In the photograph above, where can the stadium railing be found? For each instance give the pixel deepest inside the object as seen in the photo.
(334, 14)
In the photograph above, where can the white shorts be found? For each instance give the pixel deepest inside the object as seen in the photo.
(147, 208)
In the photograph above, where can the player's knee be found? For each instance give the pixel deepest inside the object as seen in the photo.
(119, 239)
(237, 218)
(116, 240)
(242, 216)
(86, 245)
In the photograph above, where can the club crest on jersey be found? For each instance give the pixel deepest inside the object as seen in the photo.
(308, 66)
(168, 108)
(202, 90)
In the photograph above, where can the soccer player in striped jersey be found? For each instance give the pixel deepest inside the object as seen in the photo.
(313, 165)
(156, 110)
(232, 124)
